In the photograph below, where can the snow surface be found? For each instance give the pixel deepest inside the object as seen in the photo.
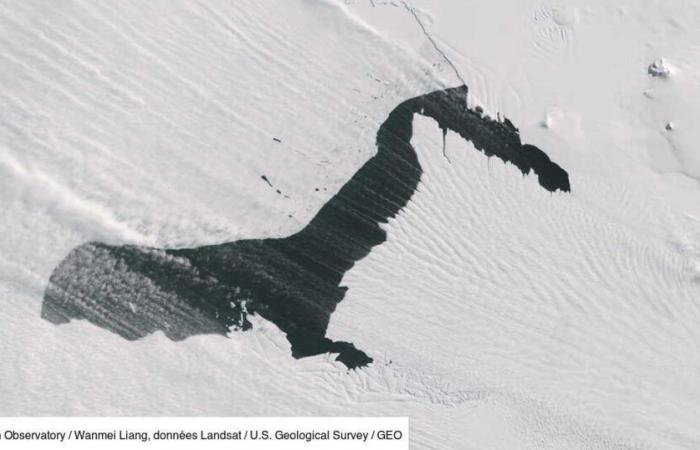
(499, 315)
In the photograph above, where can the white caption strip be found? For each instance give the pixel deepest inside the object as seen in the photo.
(172, 433)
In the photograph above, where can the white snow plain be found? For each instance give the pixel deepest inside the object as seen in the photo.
(498, 315)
